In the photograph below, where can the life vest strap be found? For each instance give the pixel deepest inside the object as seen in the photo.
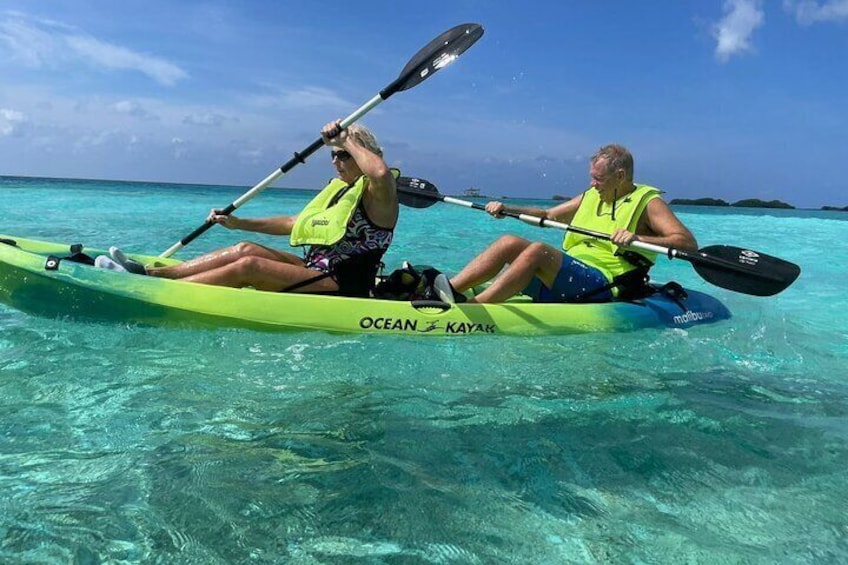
(631, 285)
(348, 274)
(76, 256)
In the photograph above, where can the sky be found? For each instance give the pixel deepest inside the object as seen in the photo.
(728, 99)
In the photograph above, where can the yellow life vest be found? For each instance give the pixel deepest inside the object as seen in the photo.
(324, 220)
(596, 215)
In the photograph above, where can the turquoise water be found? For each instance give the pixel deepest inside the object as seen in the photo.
(724, 443)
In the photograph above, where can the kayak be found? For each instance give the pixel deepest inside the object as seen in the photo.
(38, 277)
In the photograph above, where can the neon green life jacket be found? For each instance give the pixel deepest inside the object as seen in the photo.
(324, 220)
(596, 215)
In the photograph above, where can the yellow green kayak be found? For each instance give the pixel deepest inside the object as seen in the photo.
(37, 277)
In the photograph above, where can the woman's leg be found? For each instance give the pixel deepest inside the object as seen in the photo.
(222, 257)
(263, 273)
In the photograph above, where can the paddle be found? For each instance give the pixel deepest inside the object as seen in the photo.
(434, 56)
(733, 268)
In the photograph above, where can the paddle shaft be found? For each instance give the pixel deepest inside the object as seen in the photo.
(434, 56)
(299, 157)
(701, 259)
(545, 222)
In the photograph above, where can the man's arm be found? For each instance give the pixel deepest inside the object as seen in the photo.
(561, 212)
(664, 228)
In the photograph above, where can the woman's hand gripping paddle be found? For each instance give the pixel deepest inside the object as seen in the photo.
(434, 56)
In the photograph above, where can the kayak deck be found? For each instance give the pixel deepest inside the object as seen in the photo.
(81, 291)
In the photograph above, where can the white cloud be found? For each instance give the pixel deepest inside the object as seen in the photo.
(110, 56)
(106, 137)
(179, 148)
(10, 120)
(132, 108)
(733, 32)
(306, 97)
(27, 44)
(809, 12)
(205, 119)
(45, 43)
(251, 156)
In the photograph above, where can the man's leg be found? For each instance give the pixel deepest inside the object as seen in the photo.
(536, 260)
(489, 263)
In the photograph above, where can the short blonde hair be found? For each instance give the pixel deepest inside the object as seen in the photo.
(363, 136)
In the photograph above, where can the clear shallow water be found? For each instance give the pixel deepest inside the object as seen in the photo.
(726, 443)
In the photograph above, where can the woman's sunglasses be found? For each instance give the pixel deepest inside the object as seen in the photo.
(341, 155)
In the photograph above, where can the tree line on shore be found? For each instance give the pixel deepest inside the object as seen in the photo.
(744, 203)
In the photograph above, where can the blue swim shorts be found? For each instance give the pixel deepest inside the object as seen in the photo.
(573, 279)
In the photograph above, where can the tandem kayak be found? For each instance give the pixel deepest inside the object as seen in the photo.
(36, 277)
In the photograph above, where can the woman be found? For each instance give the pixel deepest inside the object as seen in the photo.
(347, 228)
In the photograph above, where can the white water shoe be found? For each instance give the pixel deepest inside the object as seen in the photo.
(443, 289)
(128, 264)
(104, 262)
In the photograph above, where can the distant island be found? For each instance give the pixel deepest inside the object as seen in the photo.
(699, 202)
(745, 203)
(475, 192)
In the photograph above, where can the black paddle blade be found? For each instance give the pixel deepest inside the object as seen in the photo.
(743, 270)
(417, 193)
(436, 55)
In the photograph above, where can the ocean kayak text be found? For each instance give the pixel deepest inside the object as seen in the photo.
(408, 325)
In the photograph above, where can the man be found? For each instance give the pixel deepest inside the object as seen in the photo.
(347, 227)
(587, 268)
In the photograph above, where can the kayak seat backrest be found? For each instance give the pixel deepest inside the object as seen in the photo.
(675, 292)
(408, 283)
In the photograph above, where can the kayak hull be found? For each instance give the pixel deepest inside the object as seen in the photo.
(79, 291)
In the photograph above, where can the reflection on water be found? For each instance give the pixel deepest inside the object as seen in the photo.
(726, 443)
(233, 446)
